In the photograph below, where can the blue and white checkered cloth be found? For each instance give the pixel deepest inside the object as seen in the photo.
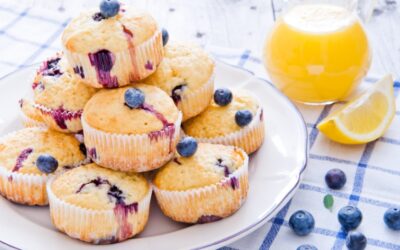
(373, 170)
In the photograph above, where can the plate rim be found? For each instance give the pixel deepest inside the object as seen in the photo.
(261, 221)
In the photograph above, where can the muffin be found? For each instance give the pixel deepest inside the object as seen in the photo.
(30, 116)
(125, 137)
(187, 74)
(232, 118)
(28, 156)
(111, 51)
(99, 205)
(59, 96)
(207, 186)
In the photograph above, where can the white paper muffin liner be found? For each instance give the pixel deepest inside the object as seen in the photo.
(72, 119)
(28, 122)
(195, 102)
(28, 189)
(137, 153)
(209, 203)
(97, 226)
(133, 64)
(249, 138)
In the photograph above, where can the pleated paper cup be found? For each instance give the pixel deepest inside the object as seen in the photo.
(99, 226)
(27, 189)
(195, 102)
(209, 203)
(132, 153)
(249, 138)
(133, 64)
(70, 122)
(29, 122)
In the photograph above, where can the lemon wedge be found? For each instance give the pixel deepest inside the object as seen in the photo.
(365, 118)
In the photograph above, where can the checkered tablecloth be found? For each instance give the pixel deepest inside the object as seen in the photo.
(373, 170)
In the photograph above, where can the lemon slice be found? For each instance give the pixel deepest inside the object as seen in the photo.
(365, 118)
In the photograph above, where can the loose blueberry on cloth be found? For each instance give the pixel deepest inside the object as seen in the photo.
(302, 222)
(307, 247)
(392, 218)
(349, 217)
(335, 178)
(356, 241)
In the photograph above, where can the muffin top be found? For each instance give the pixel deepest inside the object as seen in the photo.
(90, 31)
(98, 188)
(55, 87)
(210, 164)
(185, 68)
(29, 111)
(219, 120)
(20, 150)
(107, 111)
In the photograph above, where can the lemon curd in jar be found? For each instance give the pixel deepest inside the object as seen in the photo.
(317, 53)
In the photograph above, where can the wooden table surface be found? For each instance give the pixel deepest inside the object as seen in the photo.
(244, 23)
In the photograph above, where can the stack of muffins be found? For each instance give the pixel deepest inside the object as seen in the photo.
(119, 102)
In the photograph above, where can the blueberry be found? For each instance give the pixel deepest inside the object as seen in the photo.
(243, 117)
(46, 163)
(165, 36)
(134, 98)
(187, 146)
(109, 8)
(349, 217)
(222, 97)
(392, 218)
(335, 178)
(302, 222)
(307, 247)
(356, 241)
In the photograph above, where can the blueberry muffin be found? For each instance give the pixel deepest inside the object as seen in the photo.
(232, 118)
(99, 205)
(187, 74)
(59, 96)
(28, 156)
(131, 128)
(31, 117)
(110, 48)
(202, 183)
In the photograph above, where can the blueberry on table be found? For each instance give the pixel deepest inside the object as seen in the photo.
(301, 222)
(307, 247)
(222, 97)
(350, 217)
(165, 36)
(335, 178)
(109, 8)
(243, 117)
(392, 218)
(187, 146)
(356, 241)
(134, 98)
(46, 163)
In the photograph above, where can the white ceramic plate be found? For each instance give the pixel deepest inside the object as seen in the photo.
(275, 172)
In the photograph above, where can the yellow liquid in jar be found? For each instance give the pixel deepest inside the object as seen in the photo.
(317, 53)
